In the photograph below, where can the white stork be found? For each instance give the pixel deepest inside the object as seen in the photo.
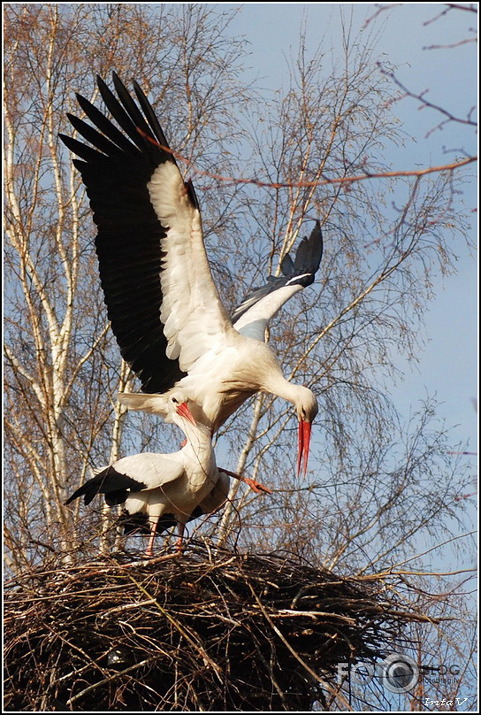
(166, 489)
(164, 308)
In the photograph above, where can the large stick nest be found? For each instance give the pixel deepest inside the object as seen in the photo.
(212, 630)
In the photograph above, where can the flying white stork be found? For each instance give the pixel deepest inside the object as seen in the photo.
(164, 308)
(166, 489)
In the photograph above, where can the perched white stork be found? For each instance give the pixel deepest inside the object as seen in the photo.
(164, 308)
(165, 489)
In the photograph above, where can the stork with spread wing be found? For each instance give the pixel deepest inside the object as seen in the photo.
(164, 308)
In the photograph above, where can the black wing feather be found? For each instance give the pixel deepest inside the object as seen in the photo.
(92, 135)
(114, 485)
(116, 170)
(104, 124)
(85, 152)
(150, 114)
(309, 253)
(301, 271)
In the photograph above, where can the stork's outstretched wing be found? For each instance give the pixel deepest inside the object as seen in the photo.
(252, 316)
(164, 308)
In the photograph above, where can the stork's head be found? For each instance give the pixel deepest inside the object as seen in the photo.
(169, 405)
(307, 409)
(178, 405)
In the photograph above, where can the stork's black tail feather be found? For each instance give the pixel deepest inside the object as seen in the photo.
(138, 524)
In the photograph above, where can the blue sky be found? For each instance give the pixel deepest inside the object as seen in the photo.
(405, 35)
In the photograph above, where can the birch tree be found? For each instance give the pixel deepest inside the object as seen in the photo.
(63, 367)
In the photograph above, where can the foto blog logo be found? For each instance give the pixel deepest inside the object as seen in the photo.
(397, 673)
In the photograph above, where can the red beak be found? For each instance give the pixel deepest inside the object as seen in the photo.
(183, 411)
(303, 452)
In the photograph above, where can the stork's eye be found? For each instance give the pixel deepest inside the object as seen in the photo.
(175, 400)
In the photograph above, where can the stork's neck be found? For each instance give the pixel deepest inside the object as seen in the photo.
(276, 384)
(301, 397)
(199, 443)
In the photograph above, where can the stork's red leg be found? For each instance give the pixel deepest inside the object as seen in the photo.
(153, 529)
(180, 540)
(255, 486)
